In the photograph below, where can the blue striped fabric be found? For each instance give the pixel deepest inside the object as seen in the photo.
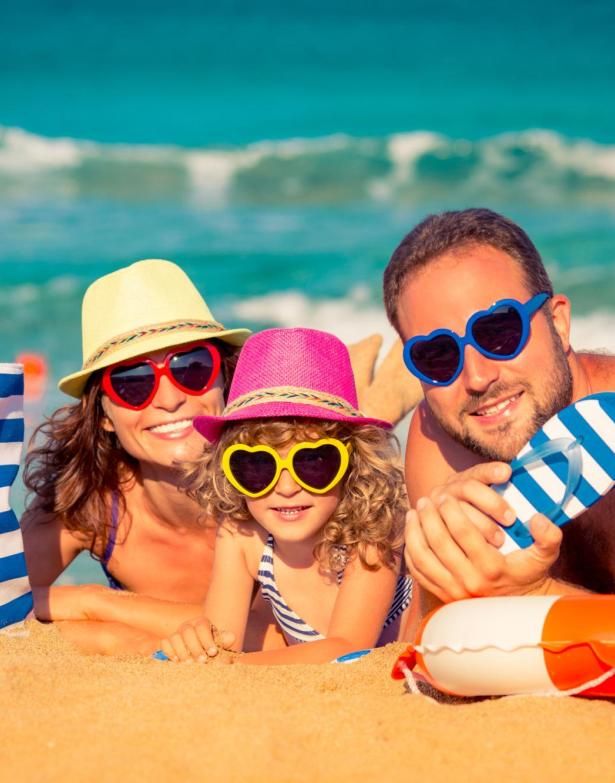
(295, 629)
(15, 594)
(563, 484)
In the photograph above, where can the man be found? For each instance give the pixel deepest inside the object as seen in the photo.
(478, 411)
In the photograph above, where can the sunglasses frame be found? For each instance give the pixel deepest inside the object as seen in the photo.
(160, 369)
(525, 311)
(286, 463)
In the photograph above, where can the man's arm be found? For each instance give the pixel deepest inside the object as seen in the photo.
(451, 536)
(432, 456)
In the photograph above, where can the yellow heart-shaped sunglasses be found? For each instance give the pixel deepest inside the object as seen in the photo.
(315, 465)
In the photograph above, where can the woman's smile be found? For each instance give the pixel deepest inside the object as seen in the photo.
(172, 430)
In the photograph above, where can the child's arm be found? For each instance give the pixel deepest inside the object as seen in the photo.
(360, 610)
(227, 604)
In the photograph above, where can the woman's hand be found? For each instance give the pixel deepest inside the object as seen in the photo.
(197, 640)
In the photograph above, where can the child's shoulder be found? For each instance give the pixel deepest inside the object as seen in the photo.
(249, 536)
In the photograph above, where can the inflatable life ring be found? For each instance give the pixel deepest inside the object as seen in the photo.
(516, 645)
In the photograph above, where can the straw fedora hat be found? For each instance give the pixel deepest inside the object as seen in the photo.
(139, 309)
(290, 372)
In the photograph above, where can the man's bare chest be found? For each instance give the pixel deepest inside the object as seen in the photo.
(587, 556)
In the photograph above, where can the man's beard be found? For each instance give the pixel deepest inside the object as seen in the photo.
(558, 390)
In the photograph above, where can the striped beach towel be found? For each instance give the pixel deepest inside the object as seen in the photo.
(565, 468)
(15, 594)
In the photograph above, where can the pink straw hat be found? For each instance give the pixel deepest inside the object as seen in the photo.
(290, 372)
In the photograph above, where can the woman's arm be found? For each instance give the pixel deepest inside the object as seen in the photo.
(93, 638)
(49, 547)
(102, 604)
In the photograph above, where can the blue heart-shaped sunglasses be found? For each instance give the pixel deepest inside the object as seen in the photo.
(500, 332)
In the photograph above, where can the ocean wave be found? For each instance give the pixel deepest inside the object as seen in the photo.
(15, 297)
(354, 317)
(351, 318)
(539, 166)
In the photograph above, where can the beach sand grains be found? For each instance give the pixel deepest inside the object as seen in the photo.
(68, 717)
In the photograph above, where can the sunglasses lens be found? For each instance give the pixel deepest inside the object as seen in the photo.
(133, 384)
(193, 369)
(253, 470)
(437, 358)
(500, 331)
(317, 467)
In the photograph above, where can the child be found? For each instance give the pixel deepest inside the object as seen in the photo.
(311, 504)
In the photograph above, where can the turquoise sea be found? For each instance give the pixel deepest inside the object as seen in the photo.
(280, 153)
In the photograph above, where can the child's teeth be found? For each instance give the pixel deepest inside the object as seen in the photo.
(290, 512)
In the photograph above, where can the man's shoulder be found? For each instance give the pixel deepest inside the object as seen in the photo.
(427, 434)
(599, 369)
(432, 454)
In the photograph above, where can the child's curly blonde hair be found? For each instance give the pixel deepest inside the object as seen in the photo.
(373, 505)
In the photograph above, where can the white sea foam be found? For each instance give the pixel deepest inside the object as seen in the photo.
(357, 316)
(211, 172)
(541, 159)
(351, 318)
(581, 155)
(22, 152)
(22, 295)
(594, 332)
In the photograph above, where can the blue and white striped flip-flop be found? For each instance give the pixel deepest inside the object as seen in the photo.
(15, 594)
(565, 468)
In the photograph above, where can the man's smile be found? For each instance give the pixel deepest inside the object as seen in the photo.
(496, 410)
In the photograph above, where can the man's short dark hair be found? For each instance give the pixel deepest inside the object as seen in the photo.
(438, 234)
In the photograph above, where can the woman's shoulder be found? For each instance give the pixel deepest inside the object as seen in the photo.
(38, 523)
(38, 520)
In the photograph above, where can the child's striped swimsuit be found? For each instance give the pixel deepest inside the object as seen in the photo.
(295, 629)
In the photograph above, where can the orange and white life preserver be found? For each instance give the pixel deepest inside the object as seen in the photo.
(514, 645)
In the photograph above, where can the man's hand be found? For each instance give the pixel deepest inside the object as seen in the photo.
(452, 539)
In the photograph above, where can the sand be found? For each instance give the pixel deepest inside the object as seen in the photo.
(69, 717)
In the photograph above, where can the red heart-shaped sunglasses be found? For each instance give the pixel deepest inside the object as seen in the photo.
(133, 384)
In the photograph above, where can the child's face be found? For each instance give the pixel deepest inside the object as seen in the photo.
(291, 513)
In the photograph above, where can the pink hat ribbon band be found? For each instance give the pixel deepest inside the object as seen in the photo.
(147, 331)
(292, 394)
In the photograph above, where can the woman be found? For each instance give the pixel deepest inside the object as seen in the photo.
(103, 473)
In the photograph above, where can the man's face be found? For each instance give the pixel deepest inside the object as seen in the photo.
(493, 407)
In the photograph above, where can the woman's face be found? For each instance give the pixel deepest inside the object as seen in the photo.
(162, 433)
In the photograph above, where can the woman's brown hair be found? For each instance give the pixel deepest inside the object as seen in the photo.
(74, 466)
